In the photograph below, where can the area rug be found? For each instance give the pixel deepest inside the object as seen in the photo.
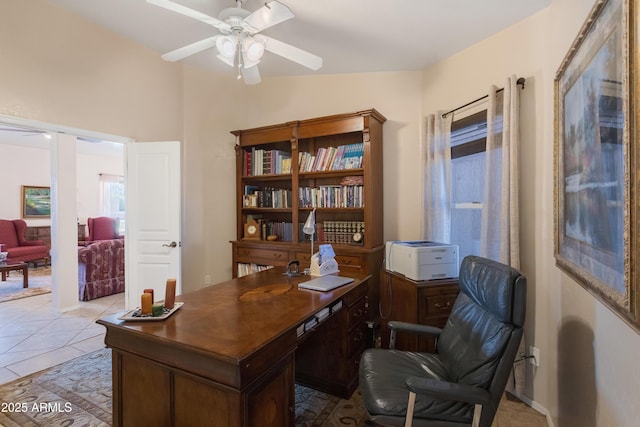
(78, 392)
(39, 283)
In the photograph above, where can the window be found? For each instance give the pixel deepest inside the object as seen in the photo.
(112, 198)
(468, 158)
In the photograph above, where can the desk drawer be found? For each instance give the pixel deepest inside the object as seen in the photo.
(262, 256)
(357, 314)
(349, 261)
(439, 304)
(356, 339)
(344, 261)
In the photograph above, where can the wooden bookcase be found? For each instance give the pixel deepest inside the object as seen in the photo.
(274, 189)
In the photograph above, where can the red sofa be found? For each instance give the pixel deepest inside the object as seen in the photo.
(101, 269)
(18, 248)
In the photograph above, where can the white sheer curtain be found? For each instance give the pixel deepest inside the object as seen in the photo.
(500, 238)
(437, 202)
(112, 198)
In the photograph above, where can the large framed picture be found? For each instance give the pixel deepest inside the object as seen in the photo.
(594, 193)
(36, 202)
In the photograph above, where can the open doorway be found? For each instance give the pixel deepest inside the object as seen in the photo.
(39, 154)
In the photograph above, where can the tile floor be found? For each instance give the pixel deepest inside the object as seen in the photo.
(33, 337)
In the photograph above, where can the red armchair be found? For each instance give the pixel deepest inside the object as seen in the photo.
(18, 248)
(103, 228)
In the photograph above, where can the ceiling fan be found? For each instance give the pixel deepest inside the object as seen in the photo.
(241, 45)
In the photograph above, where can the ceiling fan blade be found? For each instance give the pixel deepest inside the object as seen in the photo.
(191, 49)
(183, 10)
(293, 53)
(270, 14)
(251, 75)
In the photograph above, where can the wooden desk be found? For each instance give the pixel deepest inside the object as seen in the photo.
(226, 358)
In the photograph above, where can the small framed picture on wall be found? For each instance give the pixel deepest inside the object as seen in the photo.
(36, 202)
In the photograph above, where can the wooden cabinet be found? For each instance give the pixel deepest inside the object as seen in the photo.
(43, 232)
(331, 164)
(425, 302)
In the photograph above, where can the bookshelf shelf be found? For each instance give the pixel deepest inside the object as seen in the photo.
(333, 163)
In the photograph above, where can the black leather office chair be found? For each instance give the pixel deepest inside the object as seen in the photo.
(462, 383)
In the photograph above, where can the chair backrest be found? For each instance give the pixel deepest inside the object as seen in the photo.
(481, 337)
(102, 228)
(8, 236)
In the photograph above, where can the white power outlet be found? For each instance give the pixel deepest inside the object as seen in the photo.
(207, 279)
(535, 352)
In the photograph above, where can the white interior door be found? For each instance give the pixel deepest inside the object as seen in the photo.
(153, 220)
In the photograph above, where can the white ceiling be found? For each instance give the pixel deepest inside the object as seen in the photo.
(350, 35)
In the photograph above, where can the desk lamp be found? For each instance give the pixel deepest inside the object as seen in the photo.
(309, 227)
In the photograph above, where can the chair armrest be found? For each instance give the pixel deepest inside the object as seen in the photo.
(31, 243)
(448, 390)
(413, 328)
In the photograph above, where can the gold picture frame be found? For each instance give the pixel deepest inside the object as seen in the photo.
(595, 190)
(36, 202)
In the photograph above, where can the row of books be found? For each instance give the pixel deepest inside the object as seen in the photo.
(333, 231)
(257, 161)
(331, 196)
(332, 158)
(244, 269)
(266, 197)
(266, 162)
(341, 231)
(283, 230)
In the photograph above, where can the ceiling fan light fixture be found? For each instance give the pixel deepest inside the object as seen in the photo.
(226, 46)
(253, 49)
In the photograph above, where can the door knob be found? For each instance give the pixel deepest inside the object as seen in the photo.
(170, 245)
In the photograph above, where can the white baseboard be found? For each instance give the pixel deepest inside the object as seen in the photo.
(535, 405)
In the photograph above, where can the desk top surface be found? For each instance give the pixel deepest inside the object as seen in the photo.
(233, 319)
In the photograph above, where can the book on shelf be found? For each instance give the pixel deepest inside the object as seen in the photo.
(258, 162)
(282, 230)
(341, 231)
(245, 269)
(331, 196)
(267, 197)
(343, 157)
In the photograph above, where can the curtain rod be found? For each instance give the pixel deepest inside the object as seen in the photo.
(519, 82)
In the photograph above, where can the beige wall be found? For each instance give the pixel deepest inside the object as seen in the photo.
(60, 69)
(587, 375)
(32, 166)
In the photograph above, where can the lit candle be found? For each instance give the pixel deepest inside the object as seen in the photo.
(150, 291)
(146, 303)
(170, 294)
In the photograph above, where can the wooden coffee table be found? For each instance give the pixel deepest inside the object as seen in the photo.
(7, 266)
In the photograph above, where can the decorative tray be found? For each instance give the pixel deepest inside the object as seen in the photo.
(136, 316)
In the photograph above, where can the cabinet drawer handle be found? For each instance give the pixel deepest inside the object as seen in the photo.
(277, 255)
(346, 262)
(440, 306)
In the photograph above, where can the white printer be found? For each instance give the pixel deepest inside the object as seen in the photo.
(422, 260)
